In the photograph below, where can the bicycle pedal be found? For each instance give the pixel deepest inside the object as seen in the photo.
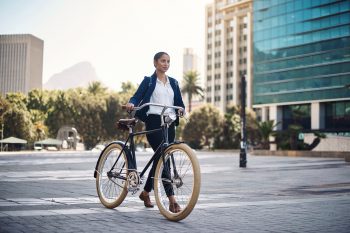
(134, 191)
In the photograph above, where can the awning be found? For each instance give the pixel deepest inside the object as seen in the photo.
(13, 140)
(49, 141)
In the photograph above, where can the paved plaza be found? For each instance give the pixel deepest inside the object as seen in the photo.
(55, 192)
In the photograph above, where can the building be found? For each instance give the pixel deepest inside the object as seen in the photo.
(228, 52)
(21, 63)
(302, 63)
(190, 63)
(190, 60)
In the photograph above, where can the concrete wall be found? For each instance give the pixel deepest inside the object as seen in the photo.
(330, 143)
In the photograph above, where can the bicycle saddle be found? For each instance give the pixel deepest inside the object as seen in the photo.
(124, 124)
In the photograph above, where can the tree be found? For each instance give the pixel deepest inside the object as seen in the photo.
(17, 119)
(40, 130)
(203, 127)
(60, 112)
(230, 133)
(4, 107)
(191, 87)
(266, 130)
(127, 90)
(87, 113)
(230, 130)
(37, 105)
(37, 99)
(96, 88)
(128, 87)
(113, 113)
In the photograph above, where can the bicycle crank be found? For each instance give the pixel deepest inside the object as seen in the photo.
(133, 182)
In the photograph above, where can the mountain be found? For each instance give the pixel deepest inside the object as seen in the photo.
(79, 75)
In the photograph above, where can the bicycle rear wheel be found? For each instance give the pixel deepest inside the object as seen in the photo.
(112, 184)
(178, 175)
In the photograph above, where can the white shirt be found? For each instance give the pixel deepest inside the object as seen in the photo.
(162, 94)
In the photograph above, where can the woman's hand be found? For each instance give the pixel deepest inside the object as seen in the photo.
(181, 112)
(129, 106)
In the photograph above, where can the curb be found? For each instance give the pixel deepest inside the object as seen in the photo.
(347, 158)
(293, 153)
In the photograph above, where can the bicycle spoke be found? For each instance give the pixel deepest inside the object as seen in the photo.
(183, 170)
(111, 184)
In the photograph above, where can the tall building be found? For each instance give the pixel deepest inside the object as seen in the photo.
(190, 63)
(302, 63)
(21, 63)
(190, 60)
(228, 51)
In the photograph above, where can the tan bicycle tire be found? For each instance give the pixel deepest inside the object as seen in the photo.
(120, 198)
(187, 209)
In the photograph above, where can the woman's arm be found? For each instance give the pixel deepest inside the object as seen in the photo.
(181, 103)
(140, 93)
(178, 98)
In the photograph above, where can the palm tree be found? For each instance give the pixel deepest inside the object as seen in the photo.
(96, 88)
(266, 129)
(191, 86)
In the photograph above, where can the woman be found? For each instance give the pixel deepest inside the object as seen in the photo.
(160, 89)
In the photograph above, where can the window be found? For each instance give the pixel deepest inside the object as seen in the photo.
(338, 115)
(296, 115)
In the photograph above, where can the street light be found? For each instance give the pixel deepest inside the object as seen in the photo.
(243, 144)
(2, 133)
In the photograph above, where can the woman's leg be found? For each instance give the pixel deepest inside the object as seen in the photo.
(155, 139)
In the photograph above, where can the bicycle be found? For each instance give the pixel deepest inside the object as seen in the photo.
(177, 168)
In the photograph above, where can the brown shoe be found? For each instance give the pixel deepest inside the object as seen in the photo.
(146, 200)
(175, 208)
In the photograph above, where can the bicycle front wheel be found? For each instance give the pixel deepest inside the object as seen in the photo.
(111, 183)
(177, 175)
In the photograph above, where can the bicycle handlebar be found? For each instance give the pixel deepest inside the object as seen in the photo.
(154, 104)
(158, 105)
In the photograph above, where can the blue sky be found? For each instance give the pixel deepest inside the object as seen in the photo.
(119, 38)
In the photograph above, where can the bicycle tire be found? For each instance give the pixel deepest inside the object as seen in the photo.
(111, 190)
(185, 186)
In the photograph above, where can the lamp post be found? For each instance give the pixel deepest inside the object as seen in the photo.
(243, 144)
(2, 133)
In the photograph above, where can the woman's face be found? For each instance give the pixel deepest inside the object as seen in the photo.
(163, 63)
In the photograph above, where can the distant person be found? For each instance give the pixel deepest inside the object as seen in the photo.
(160, 89)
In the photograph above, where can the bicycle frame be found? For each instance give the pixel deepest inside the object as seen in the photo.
(131, 156)
(130, 150)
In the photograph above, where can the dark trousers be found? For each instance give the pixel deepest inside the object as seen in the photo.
(155, 139)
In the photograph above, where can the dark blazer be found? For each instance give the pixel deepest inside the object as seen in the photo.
(144, 93)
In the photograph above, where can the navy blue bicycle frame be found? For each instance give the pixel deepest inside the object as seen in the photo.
(131, 157)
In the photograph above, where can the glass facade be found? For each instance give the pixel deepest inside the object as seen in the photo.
(296, 115)
(301, 50)
(338, 115)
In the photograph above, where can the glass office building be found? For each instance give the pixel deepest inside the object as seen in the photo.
(302, 63)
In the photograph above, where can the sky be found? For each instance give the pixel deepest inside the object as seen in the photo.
(118, 37)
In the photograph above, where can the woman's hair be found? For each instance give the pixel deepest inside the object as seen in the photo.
(159, 55)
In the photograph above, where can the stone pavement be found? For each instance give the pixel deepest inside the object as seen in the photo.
(55, 192)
